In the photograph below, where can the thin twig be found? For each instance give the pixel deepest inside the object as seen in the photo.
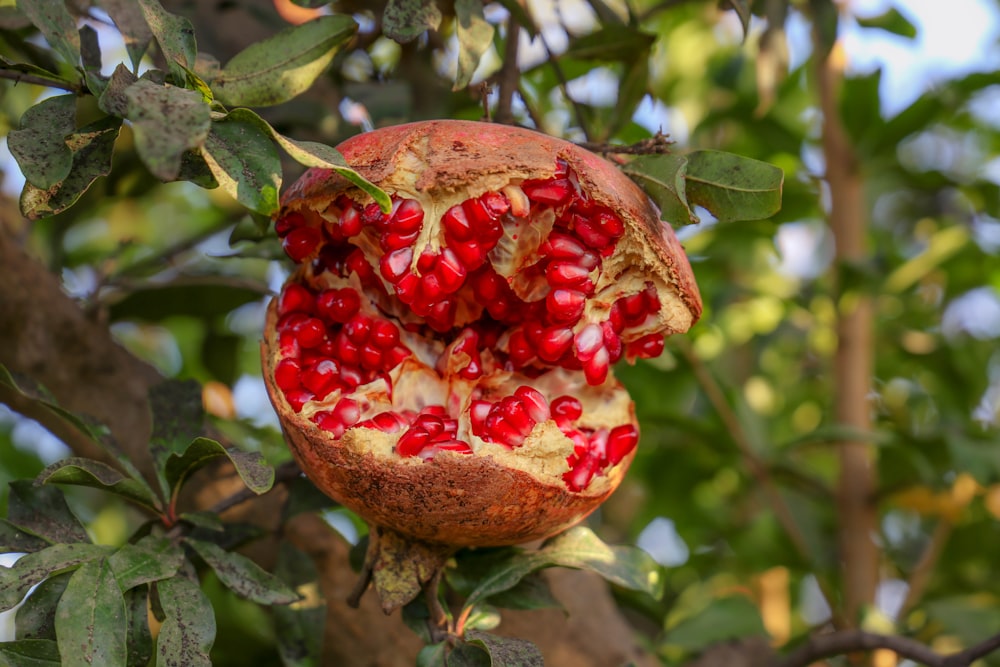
(438, 621)
(79, 442)
(21, 77)
(283, 474)
(756, 467)
(850, 641)
(657, 144)
(921, 574)
(509, 75)
(532, 112)
(581, 118)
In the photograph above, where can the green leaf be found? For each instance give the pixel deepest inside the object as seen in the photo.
(150, 559)
(482, 617)
(891, 21)
(474, 35)
(56, 24)
(626, 566)
(283, 66)
(724, 619)
(733, 187)
(204, 520)
(245, 162)
(188, 629)
(90, 56)
(522, 15)
(39, 146)
(433, 655)
(36, 618)
(299, 626)
(251, 466)
(405, 20)
(313, 154)
(614, 42)
(166, 121)
(242, 576)
(42, 511)
(174, 34)
(742, 9)
(506, 651)
(131, 23)
(113, 100)
(631, 91)
(138, 639)
(662, 178)
(578, 547)
(92, 148)
(189, 296)
(532, 592)
(468, 655)
(826, 17)
(33, 568)
(95, 474)
(29, 653)
(90, 618)
(13, 539)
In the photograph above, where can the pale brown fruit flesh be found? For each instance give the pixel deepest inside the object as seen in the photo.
(495, 496)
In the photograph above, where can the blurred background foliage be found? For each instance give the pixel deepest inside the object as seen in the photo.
(738, 412)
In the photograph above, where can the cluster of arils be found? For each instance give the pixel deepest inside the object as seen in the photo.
(479, 318)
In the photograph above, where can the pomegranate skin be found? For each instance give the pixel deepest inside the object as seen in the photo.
(457, 499)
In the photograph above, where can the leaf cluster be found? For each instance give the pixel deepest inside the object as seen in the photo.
(90, 604)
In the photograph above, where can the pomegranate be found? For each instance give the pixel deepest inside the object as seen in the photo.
(444, 370)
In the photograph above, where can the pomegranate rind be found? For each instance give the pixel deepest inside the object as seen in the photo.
(453, 499)
(444, 162)
(493, 497)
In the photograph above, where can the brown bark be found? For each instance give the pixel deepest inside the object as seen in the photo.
(853, 361)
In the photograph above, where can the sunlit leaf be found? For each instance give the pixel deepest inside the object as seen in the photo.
(733, 187)
(245, 162)
(283, 66)
(662, 178)
(313, 154)
(405, 20)
(474, 34)
(90, 618)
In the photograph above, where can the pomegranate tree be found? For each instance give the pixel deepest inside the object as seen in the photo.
(444, 369)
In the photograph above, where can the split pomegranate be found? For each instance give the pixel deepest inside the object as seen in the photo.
(444, 370)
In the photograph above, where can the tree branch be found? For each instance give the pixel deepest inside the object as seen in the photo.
(657, 144)
(851, 641)
(509, 75)
(854, 359)
(21, 77)
(581, 118)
